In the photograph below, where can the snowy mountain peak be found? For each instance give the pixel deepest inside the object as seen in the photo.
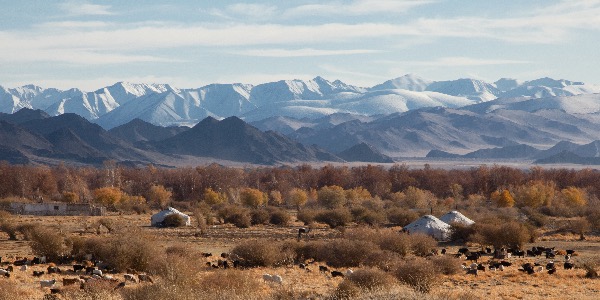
(552, 83)
(507, 84)
(409, 82)
(471, 88)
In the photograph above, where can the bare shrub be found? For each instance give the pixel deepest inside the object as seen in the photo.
(279, 217)
(591, 267)
(9, 228)
(461, 233)
(174, 220)
(386, 239)
(259, 216)
(347, 253)
(46, 242)
(334, 218)
(447, 264)
(420, 274)
(175, 267)
(236, 215)
(401, 217)
(363, 280)
(160, 291)
(230, 284)
(509, 234)
(260, 253)
(307, 216)
(422, 244)
(363, 215)
(10, 290)
(383, 260)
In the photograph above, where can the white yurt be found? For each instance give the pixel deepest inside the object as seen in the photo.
(158, 218)
(456, 217)
(429, 225)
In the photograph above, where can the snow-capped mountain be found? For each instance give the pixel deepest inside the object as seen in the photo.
(409, 82)
(472, 89)
(162, 104)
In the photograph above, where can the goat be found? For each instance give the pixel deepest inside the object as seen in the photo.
(77, 268)
(224, 255)
(70, 281)
(519, 253)
(47, 283)
(443, 251)
(550, 265)
(302, 230)
(570, 252)
(21, 262)
(23, 268)
(323, 269)
(551, 271)
(55, 291)
(474, 257)
(506, 263)
(463, 250)
(10, 268)
(54, 270)
(205, 254)
(480, 267)
(120, 285)
(337, 274)
(568, 265)
(472, 271)
(38, 273)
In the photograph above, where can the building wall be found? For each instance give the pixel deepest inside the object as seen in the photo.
(56, 209)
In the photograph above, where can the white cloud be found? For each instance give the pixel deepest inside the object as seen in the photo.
(73, 24)
(304, 52)
(75, 7)
(355, 8)
(464, 62)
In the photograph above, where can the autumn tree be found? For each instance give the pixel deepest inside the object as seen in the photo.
(418, 198)
(297, 197)
(535, 194)
(331, 196)
(108, 196)
(159, 196)
(252, 197)
(275, 198)
(573, 196)
(211, 197)
(503, 198)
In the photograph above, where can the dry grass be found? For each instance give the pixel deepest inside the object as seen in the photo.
(298, 283)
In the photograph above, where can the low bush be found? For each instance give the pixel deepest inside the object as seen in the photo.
(236, 215)
(401, 217)
(307, 216)
(346, 253)
(279, 217)
(174, 220)
(422, 245)
(334, 218)
(363, 215)
(383, 260)
(47, 242)
(261, 253)
(230, 284)
(369, 279)
(259, 216)
(447, 264)
(420, 274)
(461, 233)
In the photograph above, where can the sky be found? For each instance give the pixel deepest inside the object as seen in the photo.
(92, 44)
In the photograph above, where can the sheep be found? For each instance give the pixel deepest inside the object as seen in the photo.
(47, 283)
(550, 265)
(349, 272)
(473, 266)
(337, 274)
(130, 277)
(4, 273)
(272, 278)
(538, 269)
(108, 277)
(23, 268)
(97, 272)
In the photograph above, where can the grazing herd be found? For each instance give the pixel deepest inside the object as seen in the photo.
(499, 259)
(81, 273)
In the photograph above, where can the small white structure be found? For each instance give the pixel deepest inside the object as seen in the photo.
(429, 225)
(55, 209)
(158, 218)
(456, 217)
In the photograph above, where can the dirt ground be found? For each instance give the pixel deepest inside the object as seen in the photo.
(507, 284)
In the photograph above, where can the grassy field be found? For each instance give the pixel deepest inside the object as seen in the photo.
(507, 284)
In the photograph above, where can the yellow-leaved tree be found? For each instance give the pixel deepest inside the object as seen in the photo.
(503, 198)
(253, 197)
(574, 196)
(211, 197)
(535, 194)
(297, 197)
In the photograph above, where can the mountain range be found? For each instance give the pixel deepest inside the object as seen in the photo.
(543, 120)
(165, 105)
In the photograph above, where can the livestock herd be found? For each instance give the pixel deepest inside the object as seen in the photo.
(499, 259)
(71, 271)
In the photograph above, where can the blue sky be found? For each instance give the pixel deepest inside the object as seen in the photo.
(91, 44)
